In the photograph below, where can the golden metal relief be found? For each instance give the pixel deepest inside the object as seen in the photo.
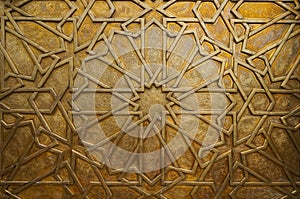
(149, 99)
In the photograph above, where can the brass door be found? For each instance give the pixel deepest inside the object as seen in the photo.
(150, 99)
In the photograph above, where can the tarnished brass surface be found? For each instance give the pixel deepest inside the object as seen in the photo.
(94, 92)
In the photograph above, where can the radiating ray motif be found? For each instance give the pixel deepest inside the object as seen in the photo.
(152, 91)
(149, 99)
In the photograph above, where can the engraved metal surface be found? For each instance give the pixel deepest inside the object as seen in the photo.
(149, 99)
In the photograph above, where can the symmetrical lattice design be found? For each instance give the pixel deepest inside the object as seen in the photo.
(82, 81)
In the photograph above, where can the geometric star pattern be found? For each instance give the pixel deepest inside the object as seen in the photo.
(245, 52)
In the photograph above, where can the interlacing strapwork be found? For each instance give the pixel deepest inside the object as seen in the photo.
(149, 99)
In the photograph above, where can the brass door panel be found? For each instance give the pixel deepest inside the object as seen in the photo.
(149, 99)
